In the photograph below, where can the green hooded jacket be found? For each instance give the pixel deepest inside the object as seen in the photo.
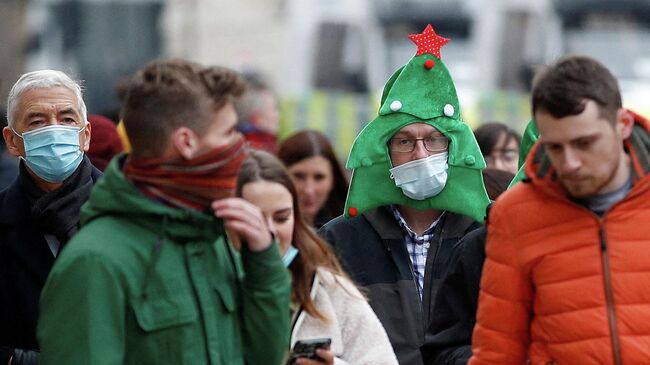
(143, 283)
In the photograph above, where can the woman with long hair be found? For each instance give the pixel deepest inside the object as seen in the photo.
(325, 303)
(321, 181)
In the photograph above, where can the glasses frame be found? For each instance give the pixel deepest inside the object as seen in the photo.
(415, 142)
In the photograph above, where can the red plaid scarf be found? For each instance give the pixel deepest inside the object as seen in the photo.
(189, 184)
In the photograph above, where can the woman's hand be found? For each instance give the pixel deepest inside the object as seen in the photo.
(326, 355)
(246, 220)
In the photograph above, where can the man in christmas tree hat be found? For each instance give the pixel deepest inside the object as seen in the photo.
(416, 189)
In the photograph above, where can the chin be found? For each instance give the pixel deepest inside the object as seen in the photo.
(579, 190)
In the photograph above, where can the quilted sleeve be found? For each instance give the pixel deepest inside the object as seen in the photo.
(501, 335)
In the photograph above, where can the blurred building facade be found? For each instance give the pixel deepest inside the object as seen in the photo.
(97, 41)
(328, 60)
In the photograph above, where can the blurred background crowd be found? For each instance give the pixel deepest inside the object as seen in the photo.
(324, 62)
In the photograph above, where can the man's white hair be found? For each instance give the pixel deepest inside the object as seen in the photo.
(42, 79)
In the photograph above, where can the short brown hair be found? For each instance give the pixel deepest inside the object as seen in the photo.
(222, 84)
(167, 94)
(564, 88)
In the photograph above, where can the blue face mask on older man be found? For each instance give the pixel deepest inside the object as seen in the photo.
(52, 152)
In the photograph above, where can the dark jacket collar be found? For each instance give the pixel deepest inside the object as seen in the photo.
(13, 207)
(381, 219)
(13, 201)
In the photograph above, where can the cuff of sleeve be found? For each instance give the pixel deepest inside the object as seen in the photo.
(263, 267)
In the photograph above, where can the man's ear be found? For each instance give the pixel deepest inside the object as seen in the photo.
(624, 123)
(10, 141)
(86, 133)
(185, 142)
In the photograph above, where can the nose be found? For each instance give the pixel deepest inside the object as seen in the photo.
(499, 164)
(309, 187)
(419, 151)
(571, 161)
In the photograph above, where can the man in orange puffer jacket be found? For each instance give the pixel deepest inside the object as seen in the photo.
(568, 251)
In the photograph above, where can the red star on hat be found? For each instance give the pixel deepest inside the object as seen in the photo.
(428, 41)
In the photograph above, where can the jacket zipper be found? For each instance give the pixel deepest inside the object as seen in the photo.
(607, 276)
(609, 296)
(417, 285)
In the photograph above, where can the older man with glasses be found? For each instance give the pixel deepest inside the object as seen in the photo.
(416, 190)
(405, 249)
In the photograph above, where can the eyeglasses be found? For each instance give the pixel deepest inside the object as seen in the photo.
(504, 155)
(407, 145)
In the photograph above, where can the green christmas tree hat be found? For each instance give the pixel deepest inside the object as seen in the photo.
(422, 91)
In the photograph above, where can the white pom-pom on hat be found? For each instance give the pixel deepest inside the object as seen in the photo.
(396, 105)
(448, 110)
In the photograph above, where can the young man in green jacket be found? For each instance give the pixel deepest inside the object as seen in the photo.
(152, 278)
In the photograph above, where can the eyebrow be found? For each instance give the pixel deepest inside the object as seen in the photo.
(589, 136)
(68, 110)
(285, 210)
(31, 115)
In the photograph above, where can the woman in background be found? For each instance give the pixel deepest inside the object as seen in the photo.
(325, 303)
(499, 145)
(321, 182)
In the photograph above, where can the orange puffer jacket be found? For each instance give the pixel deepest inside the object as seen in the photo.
(561, 285)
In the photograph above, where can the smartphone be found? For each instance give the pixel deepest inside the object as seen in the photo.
(307, 348)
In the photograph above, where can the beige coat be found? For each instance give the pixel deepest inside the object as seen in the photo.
(357, 335)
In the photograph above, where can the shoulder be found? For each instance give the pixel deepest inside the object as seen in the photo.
(470, 250)
(5, 197)
(112, 238)
(525, 206)
(95, 174)
(519, 194)
(13, 205)
(336, 285)
(377, 221)
(458, 225)
(76, 265)
(343, 298)
(340, 230)
(110, 255)
(473, 238)
(342, 223)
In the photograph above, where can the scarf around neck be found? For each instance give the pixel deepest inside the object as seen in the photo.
(189, 184)
(57, 212)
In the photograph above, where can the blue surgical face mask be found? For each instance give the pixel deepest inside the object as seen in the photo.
(289, 256)
(52, 152)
